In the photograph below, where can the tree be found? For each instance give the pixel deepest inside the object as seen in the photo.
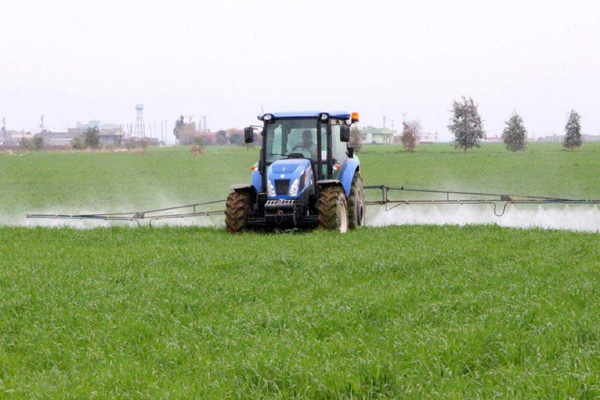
(221, 138)
(37, 143)
(143, 143)
(24, 143)
(236, 139)
(466, 125)
(184, 132)
(410, 134)
(179, 124)
(92, 138)
(573, 131)
(355, 139)
(514, 133)
(78, 143)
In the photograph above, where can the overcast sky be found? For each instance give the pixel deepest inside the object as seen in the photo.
(81, 60)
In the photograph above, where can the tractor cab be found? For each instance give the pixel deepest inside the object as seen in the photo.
(304, 156)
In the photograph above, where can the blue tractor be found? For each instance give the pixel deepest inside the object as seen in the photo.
(307, 176)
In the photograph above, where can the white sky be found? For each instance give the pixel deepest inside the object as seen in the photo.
(81, 60)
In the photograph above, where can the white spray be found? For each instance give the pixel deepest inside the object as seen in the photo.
(575, 217)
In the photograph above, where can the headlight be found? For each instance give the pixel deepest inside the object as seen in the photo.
(270, 189)
(294, 188)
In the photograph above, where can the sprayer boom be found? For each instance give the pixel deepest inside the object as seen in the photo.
(190, 210)
(499, 201)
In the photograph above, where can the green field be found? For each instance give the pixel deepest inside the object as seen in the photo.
(171, 176)
(407, 311)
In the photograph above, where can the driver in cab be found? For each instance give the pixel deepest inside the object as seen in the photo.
(307, 145)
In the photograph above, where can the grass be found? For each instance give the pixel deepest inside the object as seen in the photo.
(171, 176)
(378, 313)
(411, 311)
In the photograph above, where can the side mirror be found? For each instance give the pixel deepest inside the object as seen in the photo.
(350, 152)
(345, 133)
(249, 134)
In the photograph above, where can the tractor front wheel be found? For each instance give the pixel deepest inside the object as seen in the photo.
(333, 209)
(236, 209)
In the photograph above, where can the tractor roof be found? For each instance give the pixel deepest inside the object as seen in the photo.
(307, 114)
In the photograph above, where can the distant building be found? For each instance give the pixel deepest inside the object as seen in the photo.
(210, 138)
(590, 138)
(552, 138)
(372, 135)
(234, 130)
(100, 125)
(5, 137)
(424, 138)
(428, 138)
(13, 138)
(110, 134)
(56, 138)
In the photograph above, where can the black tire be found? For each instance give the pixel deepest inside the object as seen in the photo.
(236, 210)
(333, 209)
(356, 203)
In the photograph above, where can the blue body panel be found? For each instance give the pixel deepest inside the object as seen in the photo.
(289, 169)
(347, 173)
(308, 114)
(257, 181)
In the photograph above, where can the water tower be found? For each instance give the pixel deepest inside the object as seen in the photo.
(139, 122)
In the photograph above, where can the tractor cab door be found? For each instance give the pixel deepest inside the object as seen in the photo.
(338, 148)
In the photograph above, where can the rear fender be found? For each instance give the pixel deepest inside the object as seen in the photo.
(351, 166)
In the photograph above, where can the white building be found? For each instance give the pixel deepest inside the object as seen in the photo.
(426, 138)
(372, 135)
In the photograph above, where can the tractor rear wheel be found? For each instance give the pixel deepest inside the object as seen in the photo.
(356, 203)
(236, 209)
(333, 209)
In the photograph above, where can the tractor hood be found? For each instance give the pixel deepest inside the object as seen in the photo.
(287, 179)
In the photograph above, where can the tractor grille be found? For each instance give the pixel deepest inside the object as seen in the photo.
(282, 186)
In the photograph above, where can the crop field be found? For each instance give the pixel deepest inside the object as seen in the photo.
(394, 312)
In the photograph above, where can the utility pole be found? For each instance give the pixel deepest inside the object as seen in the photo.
(384, 122)
(166, 131)
(42, 124)
(204, 117)
(404, 117)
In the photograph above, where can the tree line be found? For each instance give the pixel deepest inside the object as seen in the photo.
(466, 126)
(89, 140)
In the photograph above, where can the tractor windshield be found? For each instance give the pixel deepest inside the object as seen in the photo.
(287, 136)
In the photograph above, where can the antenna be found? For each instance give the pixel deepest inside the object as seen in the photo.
(140, 129)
